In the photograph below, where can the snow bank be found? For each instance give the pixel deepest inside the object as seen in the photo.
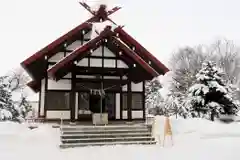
(18, 134)
(19, 142)
(197, 129)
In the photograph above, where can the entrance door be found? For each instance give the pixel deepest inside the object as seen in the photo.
(95, 104)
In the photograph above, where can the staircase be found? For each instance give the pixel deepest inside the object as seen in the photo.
(80, 136)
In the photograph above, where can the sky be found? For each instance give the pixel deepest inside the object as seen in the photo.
(161, 26)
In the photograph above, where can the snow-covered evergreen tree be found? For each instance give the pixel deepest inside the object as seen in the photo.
(211, 95)
(152, 90)
(8, 109)
(154, 99)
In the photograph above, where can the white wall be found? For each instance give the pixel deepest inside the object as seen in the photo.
(108, 53)
(124, 88)
(124, 115)
(42, 97)
(74, 45)
(76, 105)
(121, 64)
(137, 114)
(85, 76)
(58, 114)
(57, 57)
(63, 84)
(137, 87)
(95, 62)
(69, 75)
(97, 52)
(83, 62)
(88, 35)
(109, 63)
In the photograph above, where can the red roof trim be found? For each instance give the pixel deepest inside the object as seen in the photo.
(71, 57)
(55, 43)
(34, 85)
(137, 58)
(139, 47)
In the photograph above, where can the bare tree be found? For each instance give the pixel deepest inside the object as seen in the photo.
(17, 79)
(187, 62)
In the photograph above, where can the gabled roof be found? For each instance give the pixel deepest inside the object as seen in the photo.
(64, 65)
(80, 52)
(30, 63)
(141, 51)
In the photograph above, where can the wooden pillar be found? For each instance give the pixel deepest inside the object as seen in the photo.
(144, 101)
(121, 100)
(129, 100)
(46, 85)
(73, 96)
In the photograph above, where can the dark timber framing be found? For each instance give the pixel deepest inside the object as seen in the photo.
(129, 101)
(73, 96)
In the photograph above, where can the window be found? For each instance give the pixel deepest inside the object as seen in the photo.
(137, 101)
(56, 100)
(124, 101)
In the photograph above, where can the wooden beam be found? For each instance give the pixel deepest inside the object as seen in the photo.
(112, 81)
(121, 102)
(98, 71)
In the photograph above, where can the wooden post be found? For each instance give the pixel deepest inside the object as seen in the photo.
(167, 130)
(73, 97)
(129, 100)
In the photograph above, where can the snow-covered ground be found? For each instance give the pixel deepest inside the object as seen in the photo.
(194, 139)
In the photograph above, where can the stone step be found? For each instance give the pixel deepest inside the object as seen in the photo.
(103, 128)
(105, 131)
(103, 139)
(107, 143)
(107, 135)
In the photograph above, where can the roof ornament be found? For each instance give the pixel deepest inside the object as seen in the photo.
(100, 13)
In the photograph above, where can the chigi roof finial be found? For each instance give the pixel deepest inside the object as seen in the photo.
(100, 13)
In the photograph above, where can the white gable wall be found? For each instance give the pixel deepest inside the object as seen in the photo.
(135, 87)
(83, 62)
(57, 57)
(97, 52)
(121, 64)
(108, 53)
(63, 84)
(74, 45)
